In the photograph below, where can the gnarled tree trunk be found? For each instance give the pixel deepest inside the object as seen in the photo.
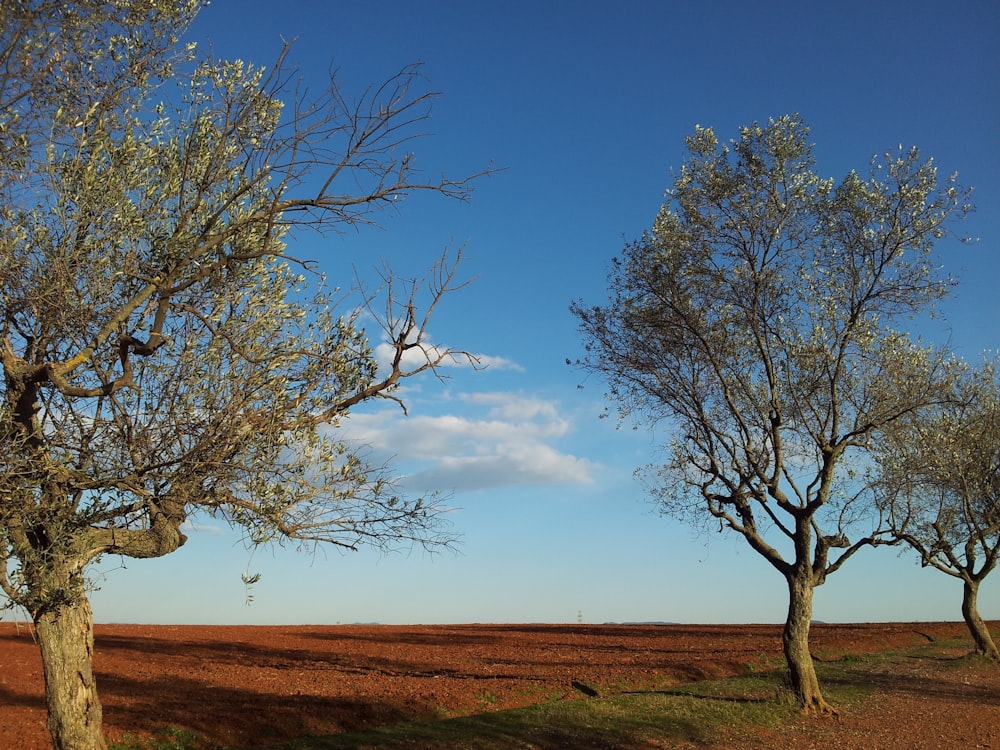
(795, 640)
(985, 645)
(66, 637)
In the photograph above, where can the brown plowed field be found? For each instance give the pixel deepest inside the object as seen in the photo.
(250, 685)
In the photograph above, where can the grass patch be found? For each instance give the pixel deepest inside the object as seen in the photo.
(165, 738)
(702, 712)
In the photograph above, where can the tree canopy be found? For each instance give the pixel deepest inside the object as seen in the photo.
(755, 319)
(938, 477)
(164, 350)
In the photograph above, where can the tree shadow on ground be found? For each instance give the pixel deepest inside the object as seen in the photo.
(233, 716)
(907, 677)
(9, 697)
(525, 728)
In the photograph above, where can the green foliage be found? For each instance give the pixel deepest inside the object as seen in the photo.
(755, 317)
(939, 473)
(163, 353)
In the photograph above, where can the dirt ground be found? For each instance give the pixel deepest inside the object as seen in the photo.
(253, 685)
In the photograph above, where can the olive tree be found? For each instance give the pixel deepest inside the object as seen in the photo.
(754, 320)
(164, 352)
(938, 472)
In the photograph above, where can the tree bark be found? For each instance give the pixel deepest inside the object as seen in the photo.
(985, 645)
(66, 637)
(795, 640)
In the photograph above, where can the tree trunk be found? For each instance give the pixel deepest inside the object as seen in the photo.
(795, 640)
(66, 637)
(985, 644)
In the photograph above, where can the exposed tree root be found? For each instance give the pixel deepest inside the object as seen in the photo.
(817, 706)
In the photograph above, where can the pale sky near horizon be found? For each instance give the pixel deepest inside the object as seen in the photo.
(586, 105)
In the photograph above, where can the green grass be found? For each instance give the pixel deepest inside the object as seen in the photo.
(167, 738)
(702, 712)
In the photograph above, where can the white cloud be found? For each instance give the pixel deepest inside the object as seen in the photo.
(509, 465)
(417, 357)
(500, 439)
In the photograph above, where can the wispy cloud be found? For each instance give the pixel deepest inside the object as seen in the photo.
(416, 357)
(506, 466)
(487, 440)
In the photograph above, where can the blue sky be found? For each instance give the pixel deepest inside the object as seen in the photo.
(586, 106)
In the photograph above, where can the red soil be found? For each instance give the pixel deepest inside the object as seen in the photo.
(253, 685)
